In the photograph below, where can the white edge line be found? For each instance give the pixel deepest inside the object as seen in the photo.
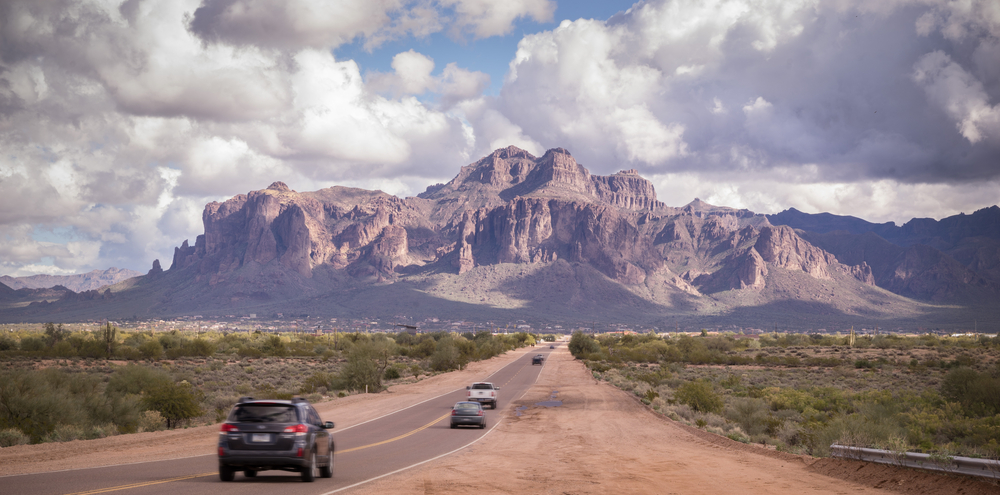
(206, 455)
(417, 464)
(423, 401)
(400, 470)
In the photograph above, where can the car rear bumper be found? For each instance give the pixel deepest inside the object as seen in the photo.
(264, 459)
(468, 420)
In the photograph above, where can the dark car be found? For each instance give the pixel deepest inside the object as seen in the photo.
(552, 347)
(468, 414)
(287, 435)
(538, 359)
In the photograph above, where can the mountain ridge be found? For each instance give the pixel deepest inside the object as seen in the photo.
(513, 235)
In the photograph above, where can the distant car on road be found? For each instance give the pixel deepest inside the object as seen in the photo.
(552, 347)
(287, 435)
(468, 413)
(538, 359)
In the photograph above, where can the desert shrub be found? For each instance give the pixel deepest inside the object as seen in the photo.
(700, 395)
(392, 373)
(446, 356)
(12, 436)
(176, 402)
(151, 421)
(151, 349)
(66, 433)
(581, 344)
(750, 413)
(32, 344)
(134, 379)
(366, 363)
(978, 393)
(318, 380)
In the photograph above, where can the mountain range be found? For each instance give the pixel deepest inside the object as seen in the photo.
(519, 237)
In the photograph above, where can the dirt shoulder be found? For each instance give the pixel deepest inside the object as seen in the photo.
(600, 440)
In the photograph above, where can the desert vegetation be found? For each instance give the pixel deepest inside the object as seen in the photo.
(60, 383)
(802, 393)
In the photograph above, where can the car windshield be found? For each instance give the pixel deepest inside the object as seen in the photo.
(263, 413)
(467, 405)
(482, 386)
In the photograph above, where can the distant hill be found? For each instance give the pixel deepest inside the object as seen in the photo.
(77, 283)
(520, 237)
(955, 259)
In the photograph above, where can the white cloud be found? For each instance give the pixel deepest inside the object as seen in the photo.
(960, 95)
(485, 18)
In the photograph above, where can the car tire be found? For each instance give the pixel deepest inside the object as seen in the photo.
(250, 473)
(227, 473)
(482, 425)
(309, 472)
(454, 426)
(327, 470)
(493, 405)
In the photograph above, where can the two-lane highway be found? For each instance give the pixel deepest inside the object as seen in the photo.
(365, 451)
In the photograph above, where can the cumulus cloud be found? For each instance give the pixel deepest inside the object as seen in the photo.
(119, 121)
(485, 18)
(852, 88)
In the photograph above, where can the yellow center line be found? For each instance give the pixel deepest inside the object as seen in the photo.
(140, 485)
(383, 442)
(180, 478)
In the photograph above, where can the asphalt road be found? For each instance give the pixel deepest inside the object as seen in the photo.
(364, 451)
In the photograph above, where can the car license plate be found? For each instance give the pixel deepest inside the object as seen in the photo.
(260, 437)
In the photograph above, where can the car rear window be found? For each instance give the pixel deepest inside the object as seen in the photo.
(263, 413)
(482, 386)
(467, 405)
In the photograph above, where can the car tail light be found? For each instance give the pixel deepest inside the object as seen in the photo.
(480, 413)
(493, 394)
(454, 412)
(227, 428)
(222, 452)
(300, 452)
(298, 430)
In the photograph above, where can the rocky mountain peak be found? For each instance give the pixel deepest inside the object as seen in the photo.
(279, 186)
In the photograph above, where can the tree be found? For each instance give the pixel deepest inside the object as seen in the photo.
(174, 401)
(54, 334)
(581, 344)
(366, 364)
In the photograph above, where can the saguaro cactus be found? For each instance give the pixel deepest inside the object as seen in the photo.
(109, 333)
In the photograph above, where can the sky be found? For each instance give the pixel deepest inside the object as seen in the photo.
(119, 120)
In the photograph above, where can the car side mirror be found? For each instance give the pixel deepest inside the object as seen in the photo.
(468, 388)
(328, 425)
(496, 388)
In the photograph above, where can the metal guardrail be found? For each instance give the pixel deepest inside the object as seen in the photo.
(987, 468)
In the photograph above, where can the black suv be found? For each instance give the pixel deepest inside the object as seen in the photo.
(288, 435)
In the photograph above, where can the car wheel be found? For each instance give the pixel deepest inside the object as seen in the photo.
(454, 426)
(309, 473)
(482, 425)
(226, 473)
(493, 405)
(327, 470)
(250, 473)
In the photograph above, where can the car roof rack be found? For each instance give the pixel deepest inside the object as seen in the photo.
(299, 399)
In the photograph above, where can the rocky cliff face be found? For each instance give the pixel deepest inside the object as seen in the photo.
(508, 208)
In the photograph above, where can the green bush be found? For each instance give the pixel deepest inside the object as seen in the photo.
(176, 402)
(581, 344)
(700, 395)
(12, 436)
